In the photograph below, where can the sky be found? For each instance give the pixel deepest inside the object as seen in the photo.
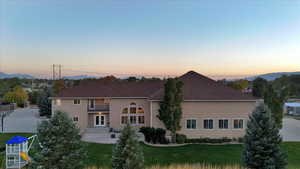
(217, 38)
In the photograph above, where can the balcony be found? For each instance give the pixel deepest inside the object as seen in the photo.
(99, 107)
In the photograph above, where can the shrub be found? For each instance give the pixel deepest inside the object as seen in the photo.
(180, 138)
(154, 135)
(161, 136)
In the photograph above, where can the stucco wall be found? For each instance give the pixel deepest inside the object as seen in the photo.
(73, 110)
(210, 110)
(117, 105)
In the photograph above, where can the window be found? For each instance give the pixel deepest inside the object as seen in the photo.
(132, 119)
(92, 104)
(75, 119)
(125, 111)
(124, 119)
(140, 110)
(223, 124)
(76, 101)
(191, 124)
(141, 119)
(133, 114)
(238, 123)
(208, 124)
(132, 108)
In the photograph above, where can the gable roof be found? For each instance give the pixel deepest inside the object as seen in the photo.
(113, 89)
(199, 87)
(196, 87)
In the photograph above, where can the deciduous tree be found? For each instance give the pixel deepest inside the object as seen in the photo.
(170, 112)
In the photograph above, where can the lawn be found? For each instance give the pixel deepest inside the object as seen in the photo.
(100, 154)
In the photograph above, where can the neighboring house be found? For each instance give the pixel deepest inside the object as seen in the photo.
(210, 109)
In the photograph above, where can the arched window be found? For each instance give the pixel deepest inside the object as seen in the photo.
(133, 114)
(125, 111)
(140, 110)
(132, 108)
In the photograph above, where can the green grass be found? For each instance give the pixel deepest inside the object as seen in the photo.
(100, 154)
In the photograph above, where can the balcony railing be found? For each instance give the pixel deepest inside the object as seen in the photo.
(99, 107)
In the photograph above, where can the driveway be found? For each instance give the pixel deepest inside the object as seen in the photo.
(22, 121)
(291, 129)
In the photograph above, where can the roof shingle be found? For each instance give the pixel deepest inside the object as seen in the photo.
(196, 87)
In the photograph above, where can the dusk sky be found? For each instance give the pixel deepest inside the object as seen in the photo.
(218, 38)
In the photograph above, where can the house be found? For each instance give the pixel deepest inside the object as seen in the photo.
(210, 109)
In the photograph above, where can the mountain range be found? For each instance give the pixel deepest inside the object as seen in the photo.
(267, 76)
(272, 76)
(15, 75)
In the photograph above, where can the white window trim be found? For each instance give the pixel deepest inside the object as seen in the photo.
(136, 114)
(214, 127)
(187, 122)
(121, 119)
(76, 104)
(228, 124)
(244, 123)
(99, 120)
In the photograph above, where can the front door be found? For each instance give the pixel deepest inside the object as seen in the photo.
(99, 120)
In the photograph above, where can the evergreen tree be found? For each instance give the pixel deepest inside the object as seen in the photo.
(262, 142)
(170, 111)
(44, 103)
(127, 153)
(61, 147)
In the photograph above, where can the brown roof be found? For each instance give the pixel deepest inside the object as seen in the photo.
(199, 87)
(113, 89)
(196, 87)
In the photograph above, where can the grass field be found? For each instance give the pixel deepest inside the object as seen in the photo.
(100, 154)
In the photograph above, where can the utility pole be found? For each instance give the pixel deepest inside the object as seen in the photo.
(59, 71)
(55, 74)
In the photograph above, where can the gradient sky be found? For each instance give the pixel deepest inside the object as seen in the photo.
(218, 38)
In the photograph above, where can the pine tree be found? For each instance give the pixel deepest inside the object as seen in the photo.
(44, 103)
(262, 142)
(170, 111)
(127, 153)
(61, 147)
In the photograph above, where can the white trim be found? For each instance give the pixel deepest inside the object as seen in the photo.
(89, 104)
(228, 119)
(186, 124)
(76, 99)
(213, 128)
(100, 115)
(244, 121)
